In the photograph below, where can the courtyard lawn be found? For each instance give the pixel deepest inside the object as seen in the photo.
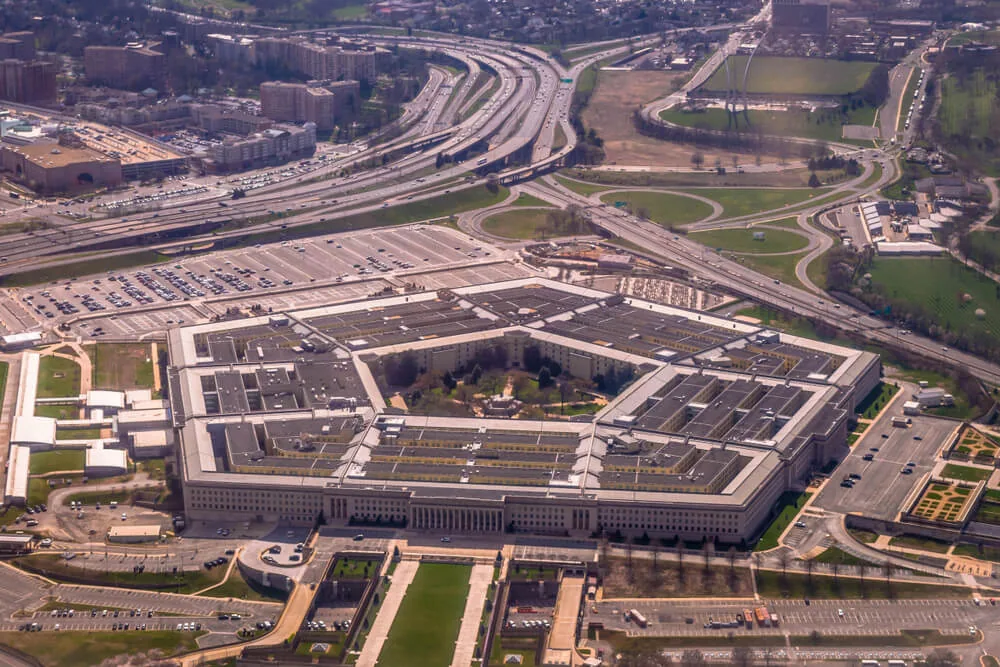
(822, 124)
(121, 365)
(744, 241)
(937, 285)
(738, 202)
(56, 459)
(58, 377)
(666, 209)
(429, 617)
(57, 411)
(965, 473)
(92, 648)
(791, 76)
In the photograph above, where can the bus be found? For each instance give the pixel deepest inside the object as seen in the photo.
(638, 618)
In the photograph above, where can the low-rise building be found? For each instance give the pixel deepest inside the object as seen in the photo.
(102, 461)
(18, 468)
(129, 533)
(52, 167)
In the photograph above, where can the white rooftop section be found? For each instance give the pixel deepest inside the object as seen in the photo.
(100, 398)
(27, 388)
(908, 248)
(133, 396)
(20, 339)
(16, 488)
(100, 459)
(37, 431)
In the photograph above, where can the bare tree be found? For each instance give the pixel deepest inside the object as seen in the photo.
(604, 551)
(742, 656)
(680, 560)
(629, 564)
(862, 570)
(810, 566)
(835, 569)
(736, 161)
(783, 559)
(654, 570)
(706, 552)
(697, 159)
(887, 571)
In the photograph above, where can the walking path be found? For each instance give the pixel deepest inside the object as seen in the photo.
(401, 580)
(479, 582)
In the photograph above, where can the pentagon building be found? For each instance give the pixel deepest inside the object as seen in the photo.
(282, 418)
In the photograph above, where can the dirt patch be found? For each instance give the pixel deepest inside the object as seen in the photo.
(616, 97)
(664, 579)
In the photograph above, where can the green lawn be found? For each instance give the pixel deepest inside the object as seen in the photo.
(56, 459)
(922, 543)
(965, 473)
(666, 209)
(738, 202)
(743, 241)
(789, 505)
(59, 649)
(429, 617)
(57, 411)
(863, 536)
(532, 224)
(771, 585)
(809, 76)
(836, 555)
(967, 116)
(58, 377)
(121, 365)
(936, 284)
(350, 12)
(877, 398)
(779, 267)
(349, 568)
(798, 326)
(530, 200)
(822, 124)
(584, 189)
(973, 551)
(239, 588)
(78, 433)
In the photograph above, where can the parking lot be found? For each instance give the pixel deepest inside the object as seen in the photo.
(832, 617)
(882, 486)
(295, 273)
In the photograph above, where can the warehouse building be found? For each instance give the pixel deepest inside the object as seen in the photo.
(131, 534)
(51, 167)
(18, 467)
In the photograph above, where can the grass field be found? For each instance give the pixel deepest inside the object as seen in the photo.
(789, 505)
(973, 551)
(58, 377)
(57, 411)
(666, 209)
(121, 365)
(239, 588)
(823, 124)
(841, 557)
(94, 497)
(962, 473)
(78, 433)
(790, 178)
(529, 200)
(770, 585)
(738, 202)
(585, 189)
(937, 283)
(779, 267)
(532, 224)
(808, 76)
(85, 266)
(743, 241)
(967, 117)
(922, 543)
(799, 326)
(60, 649)
(56, 459)
(429, 617)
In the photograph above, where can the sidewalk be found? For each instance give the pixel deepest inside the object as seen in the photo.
(401, 580)
(479, 582)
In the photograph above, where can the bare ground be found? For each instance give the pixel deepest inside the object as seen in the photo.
(616, 96)
(664, 581)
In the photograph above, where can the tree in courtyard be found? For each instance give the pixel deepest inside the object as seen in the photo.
(402, 370)
(544, 377)
(697, 159)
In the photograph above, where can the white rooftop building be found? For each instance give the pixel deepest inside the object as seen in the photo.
(16, 488)
(102, 462)
(34, 432)
(108, 401)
